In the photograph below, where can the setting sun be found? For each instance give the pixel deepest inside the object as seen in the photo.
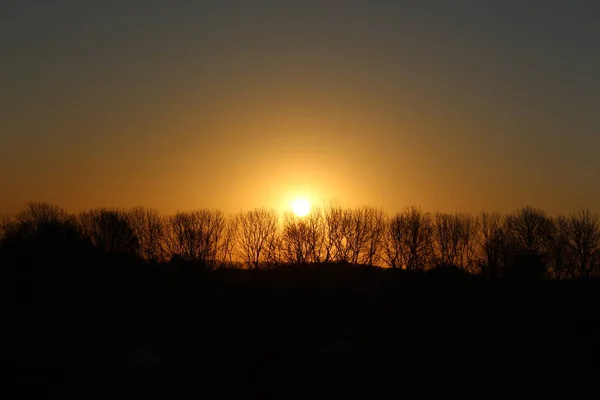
(301, 207)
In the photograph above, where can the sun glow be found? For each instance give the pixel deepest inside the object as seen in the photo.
(301, 206)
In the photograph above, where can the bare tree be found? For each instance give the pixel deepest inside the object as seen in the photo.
(364, 228)
(531, 229)
(561, 259)
(149, 229)
(257, 236)
(339, 233)
(196, 236)
(273, 254)
(375, 228)
(418, 240)
(356, 232)
(5, 223)
(346, 239)
(315, 224)
(37, 217)
(332, 214)
(303, 238)
(531, 233)
(494, 245)
(228, 242)
(408, 240)
(393, 250)
(109, 231)
(454, 237)
(295, 239)
(42, 230)
(446, 238)
(182, 237)
(584, 238)
(468, 244)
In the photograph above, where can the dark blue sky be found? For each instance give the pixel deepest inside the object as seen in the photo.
(446, 104)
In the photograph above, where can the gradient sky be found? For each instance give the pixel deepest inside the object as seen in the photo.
(175, 105)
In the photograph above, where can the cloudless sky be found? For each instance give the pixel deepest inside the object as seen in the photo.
(174, 105)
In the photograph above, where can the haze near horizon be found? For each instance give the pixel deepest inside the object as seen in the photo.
(463, 105)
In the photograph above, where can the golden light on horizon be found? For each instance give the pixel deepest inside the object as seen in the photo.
(301, 206)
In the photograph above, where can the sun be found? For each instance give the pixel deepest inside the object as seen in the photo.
(301, 207)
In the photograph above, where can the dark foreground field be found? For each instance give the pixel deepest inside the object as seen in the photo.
(297, 328)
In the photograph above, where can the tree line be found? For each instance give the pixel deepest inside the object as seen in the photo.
(525, 243)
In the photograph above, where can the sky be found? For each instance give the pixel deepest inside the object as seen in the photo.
(449, 105)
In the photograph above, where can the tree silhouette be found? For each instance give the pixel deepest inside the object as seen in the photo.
(418, 244)
(315, 235)
(110, 231)
(128, 271)
(42, 232)
(5, 223)
(376, 221)
(526, 243)
(227, 245)
(561, 254)
(469, 234)
(257, 237)
(295, 239)
(495, 245)
(352, 235)
(149, 228)
(454, 240)
(347, 236)
(408, 243)
(335, 232)
(584, 239)
(393, 240)
(531, 233)
(446, 235)
(196, 236)
(356, 234)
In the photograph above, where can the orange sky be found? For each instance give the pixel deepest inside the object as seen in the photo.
(464, 107)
